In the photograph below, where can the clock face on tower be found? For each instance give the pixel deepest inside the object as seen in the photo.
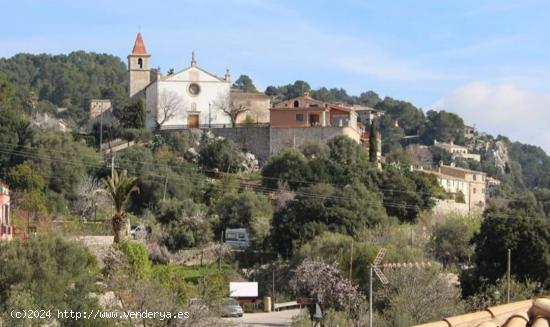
(194, 89)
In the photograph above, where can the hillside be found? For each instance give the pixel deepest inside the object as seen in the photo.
(70, 81)
(314, 217)
(67, 81)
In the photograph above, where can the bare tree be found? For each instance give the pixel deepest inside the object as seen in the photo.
(88, 200)
(169, 104)
(231, 108)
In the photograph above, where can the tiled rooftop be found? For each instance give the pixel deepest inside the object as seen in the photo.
(139, 46)
(529, 313)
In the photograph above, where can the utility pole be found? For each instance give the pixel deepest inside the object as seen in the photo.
(209, 115)
(351, 260)
(370, 295)
(220, 253)
(112, 174)
(165, 185)
(273, 289)
(100, 130)
(508, 274)
(112, 163)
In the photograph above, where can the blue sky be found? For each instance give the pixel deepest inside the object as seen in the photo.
(486, 60)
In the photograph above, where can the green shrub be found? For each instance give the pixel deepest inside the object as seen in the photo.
(301, 320)
(221, 154)
(138, 258)
(174, 278)
(178, 236)
(336, 318)
(45, 273)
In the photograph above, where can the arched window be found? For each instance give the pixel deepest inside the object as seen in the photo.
(140, 63)
(296, 103)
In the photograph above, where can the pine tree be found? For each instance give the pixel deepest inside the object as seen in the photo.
(132, 116)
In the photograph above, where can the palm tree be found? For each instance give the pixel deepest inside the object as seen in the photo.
(119, 187)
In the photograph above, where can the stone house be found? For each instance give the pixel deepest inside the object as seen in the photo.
(99, 106)
(256, 103)
(305, 111)
(302, 120)
(466, 189)
(101, 112)
(469, 132)
(457, 150)
(367, 114)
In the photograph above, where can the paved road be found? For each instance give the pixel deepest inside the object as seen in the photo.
(272, 319)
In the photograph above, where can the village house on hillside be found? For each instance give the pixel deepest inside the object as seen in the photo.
(469, 131)
(466, 189)
(302, 120)
(6, 229)
(367, 114)
(305, 111)
(101, 112)
(457, 150)
(256, 104)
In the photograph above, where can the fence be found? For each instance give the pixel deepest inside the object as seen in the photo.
(205, 126)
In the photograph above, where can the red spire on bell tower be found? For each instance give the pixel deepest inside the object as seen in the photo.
(139, 46)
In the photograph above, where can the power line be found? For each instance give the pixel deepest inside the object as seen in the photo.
(166, 165)
(139, 171)
(266, 190)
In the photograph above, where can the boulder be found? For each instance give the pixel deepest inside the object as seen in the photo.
(191, 155)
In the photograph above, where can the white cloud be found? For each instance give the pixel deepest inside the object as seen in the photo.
(505, 109)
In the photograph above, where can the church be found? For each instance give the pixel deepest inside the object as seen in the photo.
(189, 98)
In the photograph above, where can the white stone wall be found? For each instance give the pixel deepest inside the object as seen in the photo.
(151, 97)
(449, 207)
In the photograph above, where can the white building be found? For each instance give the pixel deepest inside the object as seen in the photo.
(188, 98)
(465, 188)
(457, 150)
(367, 114)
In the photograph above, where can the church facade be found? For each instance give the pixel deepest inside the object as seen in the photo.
(189, 98)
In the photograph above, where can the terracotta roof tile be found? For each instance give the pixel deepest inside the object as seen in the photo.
(518, 314)
(139, 46)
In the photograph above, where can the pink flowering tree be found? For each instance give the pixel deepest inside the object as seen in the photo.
(325, 284)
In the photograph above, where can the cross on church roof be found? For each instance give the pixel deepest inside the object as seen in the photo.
(193, 59)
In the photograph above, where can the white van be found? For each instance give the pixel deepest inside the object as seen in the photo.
(237, 237)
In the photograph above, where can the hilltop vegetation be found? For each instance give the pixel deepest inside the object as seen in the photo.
(67, 81)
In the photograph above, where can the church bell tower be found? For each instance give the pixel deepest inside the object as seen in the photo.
(138, 68)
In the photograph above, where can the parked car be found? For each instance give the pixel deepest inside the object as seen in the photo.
(140, 231)
(231, 308)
